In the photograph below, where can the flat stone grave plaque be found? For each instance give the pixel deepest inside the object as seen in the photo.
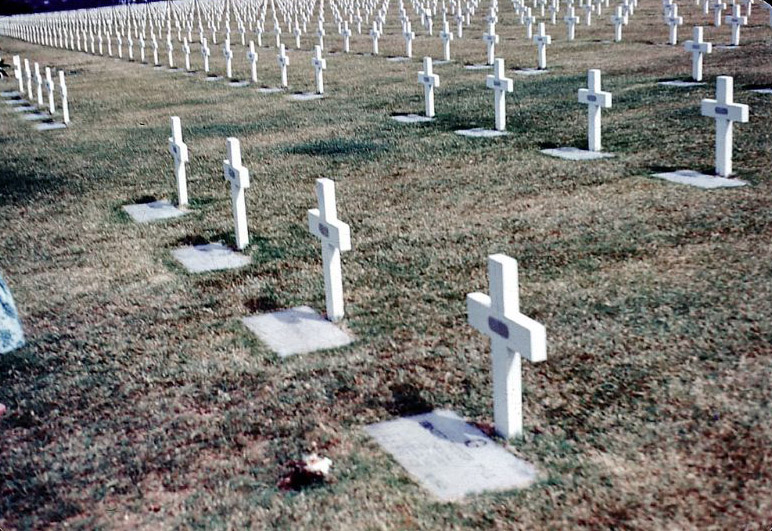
(213, 78)
(305, 96)
(157, 210)
(449, 457)
(762, 91)
(36, 116)
(24, 108)
(478, 67)
(269, 90)
(531, 71)
(443, 62)
(209, 257)
(239, 83)
(679, 83)
(18, 101)
(50, 126)
(10, 94)
(411, 118)
(298, 330)
(725, 47)
(700, 180)
(572, 153)
(479, 132)
(398, 59)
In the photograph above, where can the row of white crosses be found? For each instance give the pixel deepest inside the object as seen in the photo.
(37, 95)
(322, 222)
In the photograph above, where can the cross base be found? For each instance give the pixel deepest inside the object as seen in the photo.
(209, 257)
(411, 118)
(298, 330)
(700, 180)
(155, 211)
(572, 153)
(481, 133)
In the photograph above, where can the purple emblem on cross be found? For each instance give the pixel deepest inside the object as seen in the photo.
(324, 230)
(722, 110)
(591, 97)
(498, 327)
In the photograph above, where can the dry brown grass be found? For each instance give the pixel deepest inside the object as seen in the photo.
(142, 403)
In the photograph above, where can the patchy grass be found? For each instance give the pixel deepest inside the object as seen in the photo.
(142, 402)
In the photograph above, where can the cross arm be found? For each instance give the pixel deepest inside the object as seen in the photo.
(736, 112)
(521, 334)
(601, 99)
(335, 233)
(178, 150)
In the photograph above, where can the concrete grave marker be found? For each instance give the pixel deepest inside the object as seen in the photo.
(155, 211)
(725, 112)
(450, 458)
(429, 80)
(736, 21)
(513, 337)
(491, 39)
(296, 331)
(336, 238)
(179, 151)
(446, 36)
(500, 84)
(542, 40)
(673, 21)
(283, 61)
(698, 49)
(65, 100)
(252, 58)
(209, 257)
(238, 176)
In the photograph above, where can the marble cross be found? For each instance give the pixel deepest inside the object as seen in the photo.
(513, 337)
(28, 71)
(446, 36)
(50, 90)
(618, 20)
(238, 176)
(491, 39)
(179, 151)
(500, 85)
(674, 21)
(228, 54)
(718, 8)
(346, 34)
(725, 112)
(205, 53)
(65, 101)
(336, 238)
(283, 60)
(320, 65)
(571, 21)
(542, 40)
(529, 21)
(429, 80)
(595, 99)
(186, 52)
(321, 33)
(17, 72)
(252, 58)
(408, 35)
(375, 34)
(170, 50)
(737, 21)
(39, 85)
(698, 48)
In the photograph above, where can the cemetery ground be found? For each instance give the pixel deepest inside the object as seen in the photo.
(142, 401)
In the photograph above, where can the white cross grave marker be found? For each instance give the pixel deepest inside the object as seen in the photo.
(238, 176)
(205, 52)
(674, 21)
(336, 238)
(50, 89)
(429, 80)
(375, 34)
(595, 99)
(28, 71)
(513, 337)
(179, 151)
(718, 8)
(698, 48)
(39, 85)
(446, 35)
(408, 36)
(491, 39)
(500, 85)
(725, 112)
(542, 40)
(320, 65)
(228, 54)
(252, 58)
(737, 21)
(65, 103)
(17, 72)
(186, 51)
(618, 20)
(283, 60)
(571, 21)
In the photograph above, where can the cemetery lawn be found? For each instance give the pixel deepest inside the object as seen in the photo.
(141, 400)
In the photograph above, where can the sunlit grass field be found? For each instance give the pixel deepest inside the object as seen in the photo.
(142, 402)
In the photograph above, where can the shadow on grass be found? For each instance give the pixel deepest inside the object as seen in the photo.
(17, 187)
